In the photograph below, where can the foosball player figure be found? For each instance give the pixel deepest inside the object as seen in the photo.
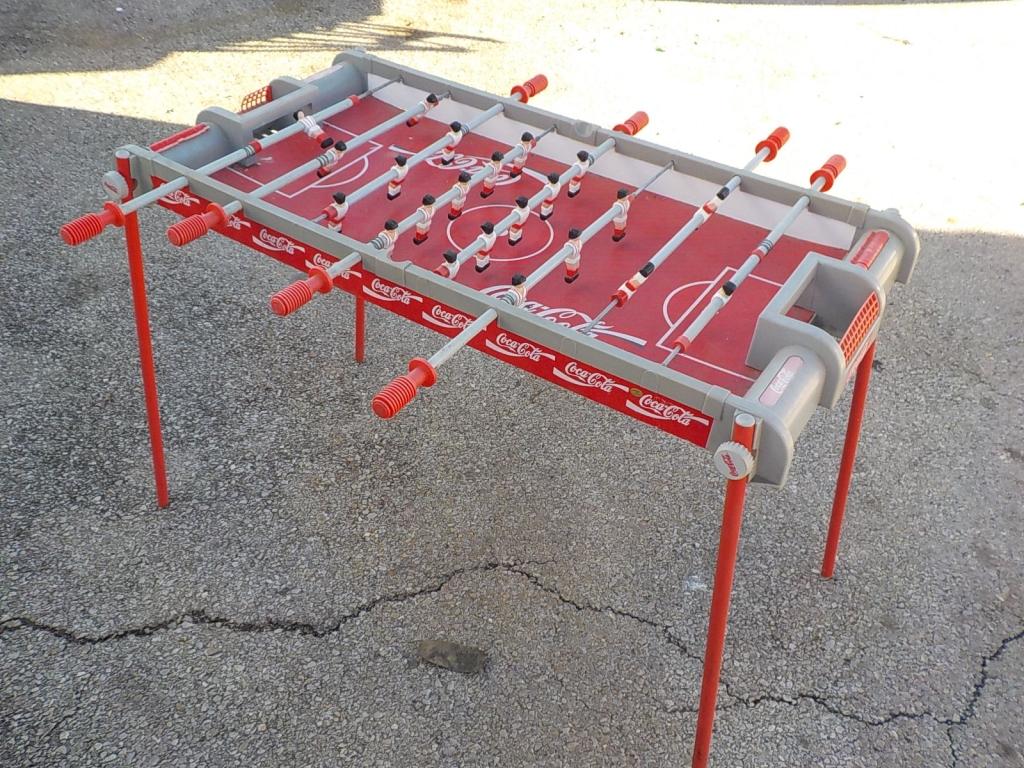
(619, 222)
(428, 104)
(522, 213)
(585, 161)
(461, 193)
(483, 256)
(527, 143)
(454, 136)
(450, 268)
(401, 171)
(335, 212)
(572, 261)
(492, 177)
(310, 127)
(426, 212)
(516, 296)
(390, 236)
(329, 160)
(553, 187)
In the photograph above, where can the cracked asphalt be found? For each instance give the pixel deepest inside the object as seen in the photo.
(270, 615)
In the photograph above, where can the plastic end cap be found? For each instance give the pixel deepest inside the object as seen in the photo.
(633, 124)
(773, 143)
(829, 171)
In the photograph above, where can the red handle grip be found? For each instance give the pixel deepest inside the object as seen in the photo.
(633, 124)
(832, 168)
(530, 88)
(287, 300)
(402, 389)
(775, 141)
(91, 224)
(194, 227)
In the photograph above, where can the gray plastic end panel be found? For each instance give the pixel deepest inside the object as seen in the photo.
(791, 386)
(834, 291)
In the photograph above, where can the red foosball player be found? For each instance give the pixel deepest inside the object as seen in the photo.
(527, 143)
(522, 213)
(585, 161)
(401, 169)
(619, 222)
(553, 187)
(454, 136)
(572, 261)
(335, 212)
(426, 212)
(461, 193)
(483, 256)
(390, 236)
(492, 177)
(329, 160)
(428, 104)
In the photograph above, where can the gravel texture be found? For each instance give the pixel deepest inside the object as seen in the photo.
(271, 615)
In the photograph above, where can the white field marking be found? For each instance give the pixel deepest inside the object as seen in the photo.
(319, 183)
(674, 326)
(551, 232)
(690, 190)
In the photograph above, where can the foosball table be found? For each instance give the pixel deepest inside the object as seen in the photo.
(700, 298)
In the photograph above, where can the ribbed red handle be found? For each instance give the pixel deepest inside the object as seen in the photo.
(633, 124)
(91, 224)
(829, 171)
(530, 88)
(195, 226)
(402, 389)
(775, 141)
(287, 300)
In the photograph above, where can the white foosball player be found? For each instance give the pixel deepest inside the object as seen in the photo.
(329, 160)
(335, 212)
(428, 104)
(585, 160)
(572, 261)
(483, 255)
(494, 165)
(522, 214)
(619, 222)
(450, 268)
(526, 142)
(390, 236)
(454, 136)
(516, 295)
(426, 212)
(461, 193)
(401, 170)
(553, 187)
(310, 127)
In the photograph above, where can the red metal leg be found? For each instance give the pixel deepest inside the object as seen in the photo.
(735, 494)
(360, 328)
(860, 395)
(138, 281)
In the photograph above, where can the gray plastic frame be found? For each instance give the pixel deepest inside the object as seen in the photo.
(820, 383)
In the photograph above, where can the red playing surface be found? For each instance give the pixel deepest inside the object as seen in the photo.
(678, 290)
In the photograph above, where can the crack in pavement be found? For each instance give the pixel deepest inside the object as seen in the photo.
(520, 568)
(202, 617)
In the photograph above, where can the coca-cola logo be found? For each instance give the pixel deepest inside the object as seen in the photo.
(236, 223)
(567, 317)
(510, 347)
(178, 197)
(780, 381)
(730, 464)
(656, 408)
(577, 374)
(446, 318)
(277, 243)
(386, 292)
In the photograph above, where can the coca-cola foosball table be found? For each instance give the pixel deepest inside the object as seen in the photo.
(699, 298)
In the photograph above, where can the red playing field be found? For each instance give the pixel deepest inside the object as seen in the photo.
(646, 325)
